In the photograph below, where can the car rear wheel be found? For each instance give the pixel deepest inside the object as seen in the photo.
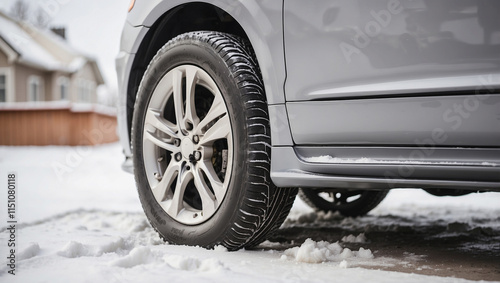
(347, 203)
(201, 145)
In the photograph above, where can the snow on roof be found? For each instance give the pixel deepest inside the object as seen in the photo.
(41, 48)
(30, 50)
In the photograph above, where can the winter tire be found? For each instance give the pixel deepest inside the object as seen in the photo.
(347, 203)
(201, 145)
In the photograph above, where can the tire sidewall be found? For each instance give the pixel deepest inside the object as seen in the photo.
(198, 53)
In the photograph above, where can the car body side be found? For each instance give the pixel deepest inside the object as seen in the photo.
(361, 94)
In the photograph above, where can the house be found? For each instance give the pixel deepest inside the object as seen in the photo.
(48, 89)
(38, 65)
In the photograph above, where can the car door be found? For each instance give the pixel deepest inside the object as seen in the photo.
(392, 71)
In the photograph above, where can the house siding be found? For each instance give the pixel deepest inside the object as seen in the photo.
(56, 91)
(86, 73)
(22, 74)
(56, 127)
(3, 60)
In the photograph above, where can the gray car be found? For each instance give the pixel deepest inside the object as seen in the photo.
(228, 108)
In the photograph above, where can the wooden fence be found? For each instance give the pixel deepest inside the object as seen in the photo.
(56, 126)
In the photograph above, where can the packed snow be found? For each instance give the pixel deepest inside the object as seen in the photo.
(80, 220)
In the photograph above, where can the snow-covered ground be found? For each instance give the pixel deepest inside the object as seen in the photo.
(80, 220)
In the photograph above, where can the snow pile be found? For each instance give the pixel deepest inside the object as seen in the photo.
(137, 256)
(361, 238)
(74, 249)
(31, 250)
(317, 252)
(112, 247)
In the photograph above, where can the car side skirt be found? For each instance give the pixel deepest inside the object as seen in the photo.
(381, 168)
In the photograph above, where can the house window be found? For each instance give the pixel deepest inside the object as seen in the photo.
(6, 85)
(35, 88)
(85, 91)
(63, 83)
(82, 92)
(3, 88)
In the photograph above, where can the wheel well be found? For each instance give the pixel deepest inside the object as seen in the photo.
(179, 20)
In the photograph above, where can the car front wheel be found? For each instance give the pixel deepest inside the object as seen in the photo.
(201, 144)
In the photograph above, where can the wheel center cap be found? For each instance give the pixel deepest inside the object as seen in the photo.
(187, 147)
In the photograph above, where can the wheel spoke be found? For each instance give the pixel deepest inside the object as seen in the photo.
(353, 193)
(177, 203)
(208, 201)
(159, 142)
(216, 184)
(154, 119)
(191, 80)
(221, 129)
(216, 110)
(162, 188)
(178, 101)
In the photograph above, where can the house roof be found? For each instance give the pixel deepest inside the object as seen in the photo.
(41, 48)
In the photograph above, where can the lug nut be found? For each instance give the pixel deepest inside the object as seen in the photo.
(196, 139)
(177, 142)
(178, 156)
(158, 176)
(197, 155)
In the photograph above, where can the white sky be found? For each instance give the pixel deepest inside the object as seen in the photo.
(92, 26)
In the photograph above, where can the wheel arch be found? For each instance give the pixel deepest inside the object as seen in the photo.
(167, 20)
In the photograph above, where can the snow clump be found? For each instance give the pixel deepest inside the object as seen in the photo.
(30, 251)
(361, 238)
(137, 256)
(73, 250)
(317, 252)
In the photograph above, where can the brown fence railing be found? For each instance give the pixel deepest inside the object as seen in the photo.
(56, 126)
